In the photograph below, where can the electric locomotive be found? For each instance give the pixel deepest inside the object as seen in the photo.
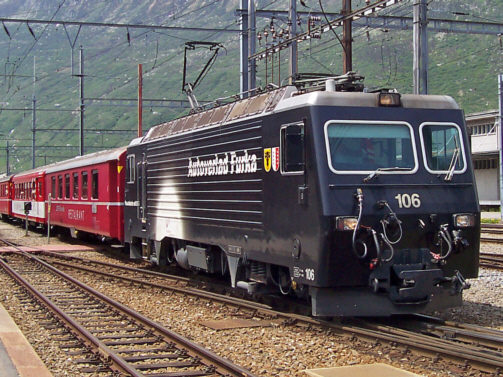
(363, 202)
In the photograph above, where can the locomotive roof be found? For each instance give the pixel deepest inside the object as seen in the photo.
(355, 99)
(89, 159)
(283, 99)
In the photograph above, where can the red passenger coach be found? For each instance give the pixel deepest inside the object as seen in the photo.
(29, 194)
(6, 196)
(87, 193)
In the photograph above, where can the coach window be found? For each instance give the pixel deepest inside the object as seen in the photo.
(292, 149)
(53, 187)
(131, 168)
(67, 186)
(75, 185)
(60, 186)
(84, 185)
(94, 183)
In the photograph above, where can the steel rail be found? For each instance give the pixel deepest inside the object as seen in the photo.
(491, 240)
(491, 226)
(473, 334)
(491, 260)
(486, 360)
(208, 358)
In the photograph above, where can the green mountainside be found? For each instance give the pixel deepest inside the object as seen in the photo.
(464, 66)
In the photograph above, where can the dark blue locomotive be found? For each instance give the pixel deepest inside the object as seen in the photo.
(363, 202)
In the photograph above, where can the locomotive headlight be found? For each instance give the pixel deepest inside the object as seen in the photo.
(389, 99)
(345, 223)
(464, 220)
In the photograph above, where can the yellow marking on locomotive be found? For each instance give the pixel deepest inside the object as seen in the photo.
(267, 159)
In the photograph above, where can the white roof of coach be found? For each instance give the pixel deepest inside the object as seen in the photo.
(89, 159)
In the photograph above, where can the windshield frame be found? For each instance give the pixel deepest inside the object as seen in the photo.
(461, 142)
(367, 172)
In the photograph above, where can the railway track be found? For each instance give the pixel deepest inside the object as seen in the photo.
(204, 289)
(106, 335)
(491, 260)
(469, 347)
(492, 229)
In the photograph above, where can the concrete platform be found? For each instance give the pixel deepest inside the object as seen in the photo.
(372, 370)
(17, 357)
(491, 215)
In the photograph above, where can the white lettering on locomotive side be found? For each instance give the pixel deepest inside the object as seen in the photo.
(74, 214)
(230, 163)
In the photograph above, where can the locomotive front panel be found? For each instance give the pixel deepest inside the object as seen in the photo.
(399, 190)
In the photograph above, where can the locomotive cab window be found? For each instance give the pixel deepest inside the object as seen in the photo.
(130, 168)
(292, 149)
(443, 148)
(367, 146)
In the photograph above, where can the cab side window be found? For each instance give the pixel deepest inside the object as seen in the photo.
(130, 168)
(292, 148)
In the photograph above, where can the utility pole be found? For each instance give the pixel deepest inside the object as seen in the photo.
(140, 102)
(82, 106)
(7, 159)
(252, 63)
(500, 121)
(243, 41)
(292, 20)
(34, 118)
(347, 38)
(420, 42)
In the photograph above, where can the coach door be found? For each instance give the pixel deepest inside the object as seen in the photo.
(39, 190)
(142, 188)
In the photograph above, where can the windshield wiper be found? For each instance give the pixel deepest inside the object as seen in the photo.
(454, 160)
(378, 170)
(452, 166)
